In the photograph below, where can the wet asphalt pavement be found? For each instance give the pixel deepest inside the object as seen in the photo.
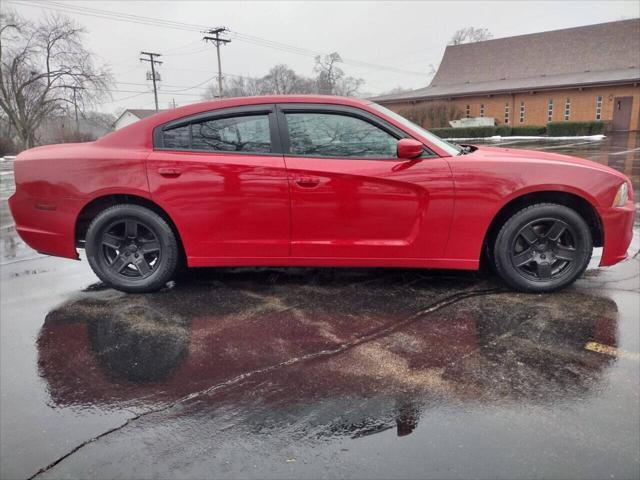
(289, 373)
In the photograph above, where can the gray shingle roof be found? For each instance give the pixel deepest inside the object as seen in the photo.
(591, 55)
(143, 113)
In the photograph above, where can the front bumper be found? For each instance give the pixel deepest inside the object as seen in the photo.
(617, 224)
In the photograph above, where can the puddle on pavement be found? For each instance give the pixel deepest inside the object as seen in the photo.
(113, 351)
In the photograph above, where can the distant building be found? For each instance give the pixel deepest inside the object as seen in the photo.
(132, 115)
(574, 74)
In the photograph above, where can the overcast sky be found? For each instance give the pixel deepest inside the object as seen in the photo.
(400, 39)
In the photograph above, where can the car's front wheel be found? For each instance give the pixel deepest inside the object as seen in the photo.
(131, 248)
(542, 248)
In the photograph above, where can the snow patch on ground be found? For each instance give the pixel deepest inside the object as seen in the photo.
(499, 138)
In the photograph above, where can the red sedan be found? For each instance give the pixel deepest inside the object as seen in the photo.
(314, 181)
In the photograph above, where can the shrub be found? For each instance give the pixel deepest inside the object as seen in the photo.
(7, 147)
(571, 129)
(431, 114)
(503, 130)
(464, 132)
(529, 130)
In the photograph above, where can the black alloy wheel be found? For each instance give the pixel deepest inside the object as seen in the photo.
(132, 248)
(543, 247)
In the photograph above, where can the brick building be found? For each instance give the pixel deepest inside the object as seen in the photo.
(575, 74)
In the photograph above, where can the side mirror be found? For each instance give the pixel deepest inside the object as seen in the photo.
(408, 148)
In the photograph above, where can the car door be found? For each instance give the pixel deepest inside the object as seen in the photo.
(351, 197)
(222, 179)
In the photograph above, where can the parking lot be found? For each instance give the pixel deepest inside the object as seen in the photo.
(305, 372)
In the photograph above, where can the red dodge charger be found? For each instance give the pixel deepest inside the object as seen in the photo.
(314, 181)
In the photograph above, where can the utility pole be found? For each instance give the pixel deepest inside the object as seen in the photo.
(75, 88)
(153, 63)
(213, 35)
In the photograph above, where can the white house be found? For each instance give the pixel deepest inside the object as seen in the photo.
(132, 115)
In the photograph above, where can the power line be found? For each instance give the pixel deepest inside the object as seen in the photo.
(184, 54)
(182, 87)
(199, 85)
(110, 14)
(157, 22)
(123, 98)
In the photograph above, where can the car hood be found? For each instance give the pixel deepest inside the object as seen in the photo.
(515, 154)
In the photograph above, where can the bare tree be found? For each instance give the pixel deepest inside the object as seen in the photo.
(348, 86)
(331, 79)
(235, 87)
(328, 72)
(470, 35)
(45, 70)
(282, 80)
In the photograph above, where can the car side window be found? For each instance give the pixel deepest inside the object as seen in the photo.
(177, 138)
(247, 133)
(336, 135)
(233, 134)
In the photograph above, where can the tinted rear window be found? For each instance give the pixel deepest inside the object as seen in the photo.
(246, 133)
(233, 134)
(177, 138)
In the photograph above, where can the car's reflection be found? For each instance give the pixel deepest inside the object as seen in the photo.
(112, 351)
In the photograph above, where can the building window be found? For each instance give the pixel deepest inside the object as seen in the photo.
(482, 109)
(521, 112)
(550, 110)
(506, 113)
(598, 107)
(468, 111)
(567, 109)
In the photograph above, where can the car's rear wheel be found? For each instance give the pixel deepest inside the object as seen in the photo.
(542, 248)
(131, 248)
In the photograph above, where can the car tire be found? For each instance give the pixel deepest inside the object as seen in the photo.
(132, 249)
(542, 248)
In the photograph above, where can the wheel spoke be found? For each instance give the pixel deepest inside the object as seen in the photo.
(142, 265)
(150, 246)
(556, 230)
(522, 258)
(529, 235)
(119, 263)
(112, 241)
(566, 253)
(130, 229)
(544, 271)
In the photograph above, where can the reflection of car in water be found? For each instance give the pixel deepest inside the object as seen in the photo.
(112, 352)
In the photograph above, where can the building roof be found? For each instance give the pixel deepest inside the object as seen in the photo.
(596, 54)
(138, 112)
(142, 112)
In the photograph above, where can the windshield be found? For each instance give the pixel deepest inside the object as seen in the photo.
(409, 125)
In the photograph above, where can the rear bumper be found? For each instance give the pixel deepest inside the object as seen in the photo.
(617, 224)
(46, 227)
